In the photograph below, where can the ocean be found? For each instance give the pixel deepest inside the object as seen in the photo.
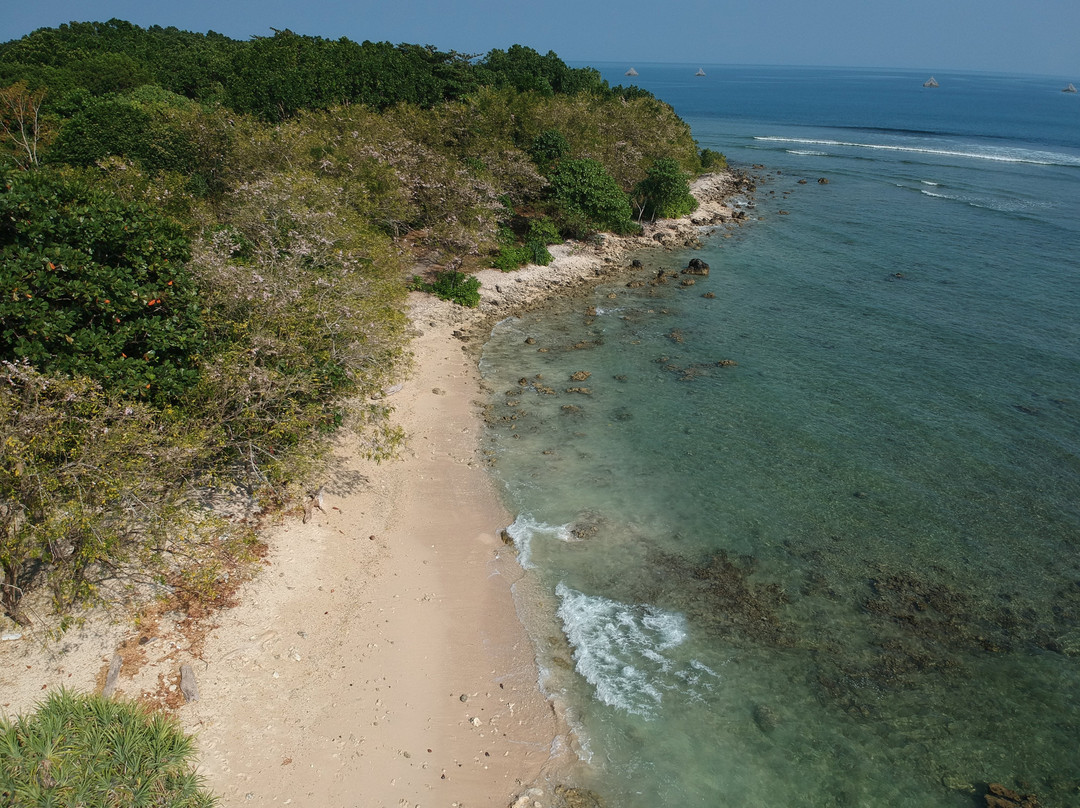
(813, 539)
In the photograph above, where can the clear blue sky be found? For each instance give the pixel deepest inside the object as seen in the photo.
(1016, 36)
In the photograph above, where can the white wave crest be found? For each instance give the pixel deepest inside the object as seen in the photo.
(525, 530)
(620, 650)
(1001, 154)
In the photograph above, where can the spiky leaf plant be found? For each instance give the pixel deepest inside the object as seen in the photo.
(82, 750)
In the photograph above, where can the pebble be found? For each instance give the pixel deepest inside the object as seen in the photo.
(9, 636)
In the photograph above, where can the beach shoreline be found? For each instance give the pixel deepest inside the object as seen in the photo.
(378, 659)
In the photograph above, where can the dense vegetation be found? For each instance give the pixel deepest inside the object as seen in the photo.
(205, 246)
(89, 750)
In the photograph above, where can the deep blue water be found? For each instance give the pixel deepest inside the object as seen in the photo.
(845, 570)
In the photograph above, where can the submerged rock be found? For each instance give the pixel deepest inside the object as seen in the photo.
(766, 718)
(998, 796)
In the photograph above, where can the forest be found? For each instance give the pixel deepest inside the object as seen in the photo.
(205, 250)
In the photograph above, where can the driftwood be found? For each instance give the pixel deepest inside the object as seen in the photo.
(314, 500)
(188, 686)
(113, 675)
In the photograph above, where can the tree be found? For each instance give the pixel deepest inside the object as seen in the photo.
(20, 121)
(588, 198)
(94, 286)
(665, 192)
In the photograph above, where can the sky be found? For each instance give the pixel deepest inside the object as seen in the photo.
(1040, 37)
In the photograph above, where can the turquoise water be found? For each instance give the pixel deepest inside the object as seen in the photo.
(844, 570)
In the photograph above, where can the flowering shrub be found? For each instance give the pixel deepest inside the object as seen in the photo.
(93, 286)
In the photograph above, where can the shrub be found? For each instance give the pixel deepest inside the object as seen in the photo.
(665, 191)
(587, 196)
(86, 482)
(80, 750)
(449, 284)
(93, 286)
(712, 160)
(549, 146)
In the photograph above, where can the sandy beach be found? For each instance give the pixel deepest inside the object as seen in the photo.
(378, 658)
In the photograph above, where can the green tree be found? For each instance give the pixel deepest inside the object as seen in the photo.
(665, 191)
(588, 198)
(93, 286)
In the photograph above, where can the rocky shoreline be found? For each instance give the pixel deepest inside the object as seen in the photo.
(579, 266)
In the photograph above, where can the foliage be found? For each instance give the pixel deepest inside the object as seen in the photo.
(712, 160)
(79, 750)
(588, 198)
(93, 286)
(85, 480)
(533, 248)
(665, 192)
(547, 147)
(449, 284)
(311, 317)
(21, 126)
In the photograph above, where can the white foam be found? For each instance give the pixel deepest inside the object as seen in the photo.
(525, 530)
(1000, 154)
(620, 648)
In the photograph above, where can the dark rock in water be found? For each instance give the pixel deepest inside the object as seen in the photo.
(766, 718)
(823, 181)
(726, 363)
(1026, 409)
(590, 311)
(620, 378)
(505, 537)
(696, 267)
(585, 391)
(570, 409)
(580, 376)
(636, 264)
(530, 341)
(998, 796)
(578, 797)
(709, 295)
(687, 282)
(802, 182)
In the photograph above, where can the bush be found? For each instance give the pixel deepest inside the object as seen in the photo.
(87, 482)
(533, 250)
(78, 750)
(452, 285)
(665, 191)
(547, 147)
(712, 160)
(588, 197)
(93, 286)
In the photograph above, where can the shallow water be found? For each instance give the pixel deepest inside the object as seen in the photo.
(843, 571)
